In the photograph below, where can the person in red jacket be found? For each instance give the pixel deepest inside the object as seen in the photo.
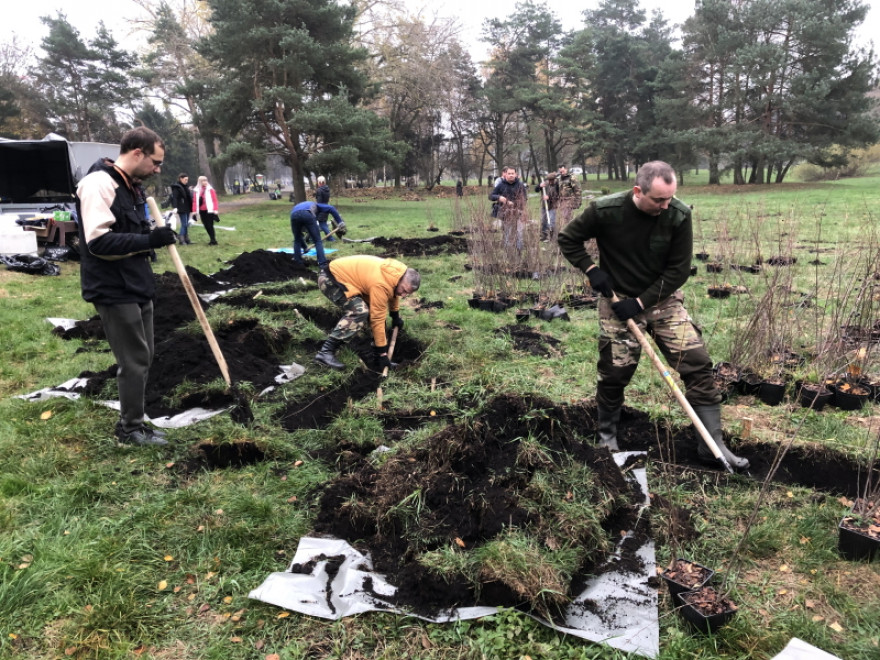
(205, 204)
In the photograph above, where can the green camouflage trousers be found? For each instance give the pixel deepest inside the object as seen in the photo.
(678, 339)
(357, 312)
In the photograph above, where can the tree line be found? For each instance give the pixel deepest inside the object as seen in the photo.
(369, 90)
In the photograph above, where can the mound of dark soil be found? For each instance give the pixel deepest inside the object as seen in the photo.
(262, 266)
(421, 247)
(250, 352)
(476, 484)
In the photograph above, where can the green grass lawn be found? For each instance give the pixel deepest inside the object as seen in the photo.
(117, 553)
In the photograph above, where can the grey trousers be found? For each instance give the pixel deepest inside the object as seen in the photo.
(129, 330)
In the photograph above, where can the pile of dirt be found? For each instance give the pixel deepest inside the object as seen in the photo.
(249, 349)
(473, 490)
(420, 247)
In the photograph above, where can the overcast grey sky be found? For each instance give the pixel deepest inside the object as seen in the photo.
(23, 18)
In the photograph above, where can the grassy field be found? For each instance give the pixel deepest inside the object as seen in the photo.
(114, 553)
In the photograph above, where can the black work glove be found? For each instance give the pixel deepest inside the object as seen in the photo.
(396, 321)
(626, 309)
(383, 361)
(340, 228)
(601, 282)
(162, 236)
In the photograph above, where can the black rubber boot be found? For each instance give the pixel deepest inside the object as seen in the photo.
(327, 354)
(607, 435)
(711, 418)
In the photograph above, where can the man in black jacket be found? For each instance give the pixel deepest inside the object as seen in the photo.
(509, 197)
(115, 273)
(181, 199)
(645, 241)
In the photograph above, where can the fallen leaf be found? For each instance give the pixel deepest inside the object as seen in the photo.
(170, 464)
(204, 608)
(432, 414)
(70, 650)
(177, 589)
(297, 463)
(209, 575)
(291, 500)
(191, 597)
(805, 540)
(459, 542)
(235, 640)
(784, 569)
(219, 512)
(259, 644)
(273, 656)
(163, 585)
(200, 528)
(169, 558)
(810, 604)
(782, 592)
(817, 618)
(13, 636)
(228, 599)
(789, 494)
(836, 627)
(283, 615)
(46, 415)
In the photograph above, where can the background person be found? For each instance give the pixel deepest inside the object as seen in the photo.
(322, 196)
(205, 204)
(304, 218)
(509, 198)
(182, 201)
(569, 195)
(115, 273)
(368, 289)
(645, 241)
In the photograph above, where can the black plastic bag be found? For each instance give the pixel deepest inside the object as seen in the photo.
(25, 263)
(58, 253)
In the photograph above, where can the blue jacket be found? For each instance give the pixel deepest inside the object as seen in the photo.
(313, 208)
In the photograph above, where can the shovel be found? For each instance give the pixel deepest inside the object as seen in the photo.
(385, 370)
(685, 404)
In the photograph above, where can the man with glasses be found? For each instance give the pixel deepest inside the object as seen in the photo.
(368, 289)
(645, 241)
(115, 272)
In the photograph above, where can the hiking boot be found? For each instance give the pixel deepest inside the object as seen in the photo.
(711, 418)
(327, 354)
(140, 437)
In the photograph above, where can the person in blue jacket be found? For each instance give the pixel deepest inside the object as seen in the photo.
(304, 217)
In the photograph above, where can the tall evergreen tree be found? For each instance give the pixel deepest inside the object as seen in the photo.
(290, 68)
(87, 85)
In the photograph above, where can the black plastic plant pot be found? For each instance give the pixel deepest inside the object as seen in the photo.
(854, 544)
(714, 268)
(771, 393)
(523, 315)
(686, 575)
(705, 609)
(750, 383)
(814, 396)
(847, 400)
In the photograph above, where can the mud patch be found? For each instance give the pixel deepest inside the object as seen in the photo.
(530, 341)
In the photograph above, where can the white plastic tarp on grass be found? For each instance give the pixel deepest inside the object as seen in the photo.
(617, 608)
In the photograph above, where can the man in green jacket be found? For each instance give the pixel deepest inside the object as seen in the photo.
(645, 240)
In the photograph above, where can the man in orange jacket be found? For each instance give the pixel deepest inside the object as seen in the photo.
(368, 288)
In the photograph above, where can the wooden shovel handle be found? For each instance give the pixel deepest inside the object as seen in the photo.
(676, 391)
(193, 297)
